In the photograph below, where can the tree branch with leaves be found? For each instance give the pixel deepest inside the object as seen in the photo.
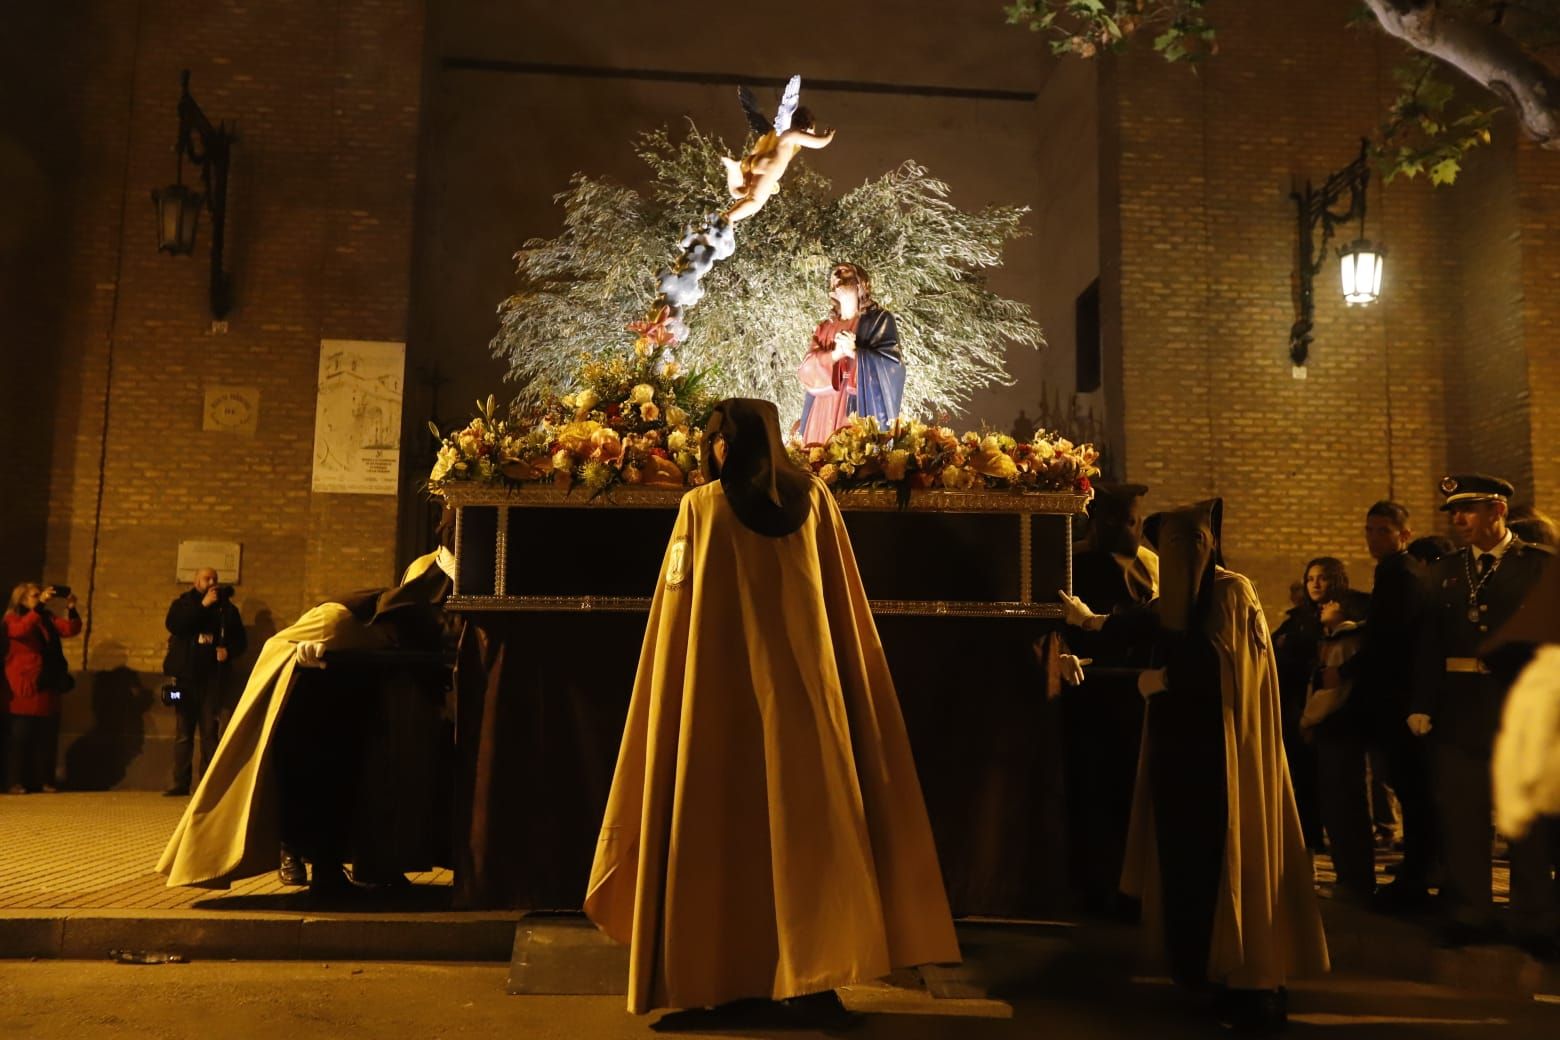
(1493, 43)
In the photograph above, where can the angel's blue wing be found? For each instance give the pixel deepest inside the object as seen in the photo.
(788, 102)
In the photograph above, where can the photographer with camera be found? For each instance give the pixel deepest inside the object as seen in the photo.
(205, 637)
(36, 671)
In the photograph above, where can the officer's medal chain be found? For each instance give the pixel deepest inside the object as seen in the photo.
(1475, 586)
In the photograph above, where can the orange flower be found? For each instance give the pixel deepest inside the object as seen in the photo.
(659, 472)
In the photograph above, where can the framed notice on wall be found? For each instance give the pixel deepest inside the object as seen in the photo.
(357, 417)
(223, 557)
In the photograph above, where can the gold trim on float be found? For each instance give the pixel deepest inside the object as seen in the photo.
(641, 605)
(622, 497)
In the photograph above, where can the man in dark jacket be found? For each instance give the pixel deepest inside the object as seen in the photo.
(1382, 676)
(1457, 700)
(205, 637)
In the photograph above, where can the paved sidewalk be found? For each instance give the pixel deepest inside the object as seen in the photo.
(98, 850)
(77, 880)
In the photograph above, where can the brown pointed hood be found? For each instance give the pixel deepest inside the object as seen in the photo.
(1187, 541)
(766, 490)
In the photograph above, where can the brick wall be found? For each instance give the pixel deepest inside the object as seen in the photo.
(325, 99)
(1199, 237)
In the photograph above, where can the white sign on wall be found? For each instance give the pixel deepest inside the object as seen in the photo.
(225, 557)
(357, 417)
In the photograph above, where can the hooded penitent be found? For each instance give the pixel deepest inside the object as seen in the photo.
(230, 829)
(765, 835)
(1221, 706)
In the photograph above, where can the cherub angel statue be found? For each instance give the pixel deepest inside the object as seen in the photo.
(757, 175)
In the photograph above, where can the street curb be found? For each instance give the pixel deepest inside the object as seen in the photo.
(92, 934)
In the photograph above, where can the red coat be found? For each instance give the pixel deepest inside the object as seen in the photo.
(24, 660)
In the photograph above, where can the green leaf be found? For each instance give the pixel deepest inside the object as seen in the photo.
(1445, 171)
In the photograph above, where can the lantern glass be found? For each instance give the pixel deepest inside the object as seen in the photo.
(178, 217)
(1360, 264)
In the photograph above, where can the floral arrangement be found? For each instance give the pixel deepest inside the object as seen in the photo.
(632, 420)
(640, 424)
(911, 455)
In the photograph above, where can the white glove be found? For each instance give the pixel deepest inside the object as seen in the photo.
(1419, 724)
(1071, 668)
(1077, 613)
(1152, 681)
(311, 654)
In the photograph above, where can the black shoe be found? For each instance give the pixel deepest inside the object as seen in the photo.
(329, 879)
(291, 871)
(1400, 897)
(176, 791)
(1259, 1011)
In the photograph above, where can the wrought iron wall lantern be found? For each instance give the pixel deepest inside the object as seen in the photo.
(1360, 262)
(178, 207)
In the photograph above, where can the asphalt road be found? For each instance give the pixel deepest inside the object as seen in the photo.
(296, 999)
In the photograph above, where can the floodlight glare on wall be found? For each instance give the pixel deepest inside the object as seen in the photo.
(1361, 264)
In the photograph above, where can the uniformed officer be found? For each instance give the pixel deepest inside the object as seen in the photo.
(1457, 700)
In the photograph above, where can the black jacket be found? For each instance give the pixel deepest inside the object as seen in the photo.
(187, 621)
(1464, 705)
(1383, 670)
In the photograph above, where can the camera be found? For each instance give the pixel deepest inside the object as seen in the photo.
(59, 590)
(171, 694)
(224, 593)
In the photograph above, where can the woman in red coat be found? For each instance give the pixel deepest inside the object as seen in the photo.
(36, 673)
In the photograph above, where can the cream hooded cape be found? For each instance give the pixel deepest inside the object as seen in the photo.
(229, 829)
(1266, 924)
(765, 835)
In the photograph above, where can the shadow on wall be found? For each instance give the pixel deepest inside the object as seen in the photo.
(99, 759)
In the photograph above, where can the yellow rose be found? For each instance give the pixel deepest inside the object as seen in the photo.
(675, 416)
(829, 473)
(951, 476)
(1043, 450)
(649, 412)
(676, 440)
(990, 444)
(895, 463)
(644, 393)
(815, 454)
(584, 401)
(562, 460)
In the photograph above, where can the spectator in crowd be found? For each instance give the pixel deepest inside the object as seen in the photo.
(205, 637)
(1533, 527)
(37, 674)
(1296, 644)
(1430, 548)
(1333, 722)
(1457, 704)
(1382, 675)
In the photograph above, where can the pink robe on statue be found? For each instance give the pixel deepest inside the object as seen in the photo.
(829, 383)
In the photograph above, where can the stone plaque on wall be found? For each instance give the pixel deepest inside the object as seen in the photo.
(224, 556)
(357, 417)
(231, 409)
